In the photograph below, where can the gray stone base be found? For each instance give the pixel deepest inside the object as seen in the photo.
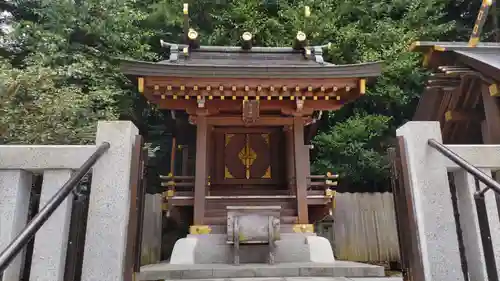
(213, 249)
(167, 271)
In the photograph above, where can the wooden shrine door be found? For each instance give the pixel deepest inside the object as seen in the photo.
(248, 156)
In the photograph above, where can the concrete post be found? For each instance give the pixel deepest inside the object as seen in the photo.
(465, 185)
(15, 186)
(109, 206)
(432, 206)
(51, 241)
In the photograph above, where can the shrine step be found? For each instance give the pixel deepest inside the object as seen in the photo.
(301, 279)
(347, 269)
(222, 220)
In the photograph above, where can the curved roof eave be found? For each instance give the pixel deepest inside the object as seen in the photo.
(141, 68)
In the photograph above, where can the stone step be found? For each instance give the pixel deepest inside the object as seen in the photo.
(165, 271)
(301, 279)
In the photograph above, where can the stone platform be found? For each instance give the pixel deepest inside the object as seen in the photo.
(304, 279)
(213, 249)
(165, 271)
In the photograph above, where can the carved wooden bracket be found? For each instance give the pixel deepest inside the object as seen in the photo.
(300, 105)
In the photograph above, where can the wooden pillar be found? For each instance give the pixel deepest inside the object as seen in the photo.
(290, 159)
(185, 155)
(492, 114)
(200, 170)
(300, 169)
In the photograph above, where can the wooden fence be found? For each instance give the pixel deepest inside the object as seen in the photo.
(152, 229)
(364, 228)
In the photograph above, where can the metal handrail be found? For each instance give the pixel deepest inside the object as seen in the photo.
(28, 233)
(478, 174)
(484, 228)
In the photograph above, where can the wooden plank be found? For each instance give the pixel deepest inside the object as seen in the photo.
(300, 170)
(492, 116)
(201, 170)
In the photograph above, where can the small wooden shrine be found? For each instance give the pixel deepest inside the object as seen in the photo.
(250, 106)
(462, 91)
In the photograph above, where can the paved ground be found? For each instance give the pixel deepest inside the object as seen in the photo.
(301, 279)
(263, 272)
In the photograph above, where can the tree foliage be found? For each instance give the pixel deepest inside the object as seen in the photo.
(60, 71)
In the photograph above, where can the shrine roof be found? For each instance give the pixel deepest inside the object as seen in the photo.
(453, 94)
(258, 62)
(422, 46)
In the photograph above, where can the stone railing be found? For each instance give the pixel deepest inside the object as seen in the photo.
(436, 252)
(109, 204)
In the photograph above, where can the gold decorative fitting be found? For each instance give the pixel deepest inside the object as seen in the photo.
(222, 97)
(303, 228)
(493, 88)
(315, 98)
(164, 206)
(292, 97)
(140, 84)
(268, 97)
(297, 89)
(247, 88)
(162, 97)
(309, 89)
(271, 88)
(169, 87)
(198, 97)
(156, 87)
(285, 88)
(170, 193)
(337, 97)
(182, 88)
(208, 88)
(186, 97)
(174, 97)
(185, 9)
(439, 48)
(329, 193)
(234, 97)
(304, 98)
(257, 98)
(322, 89)
(335, 89)
(448, 116)
(221, 88)
(199, 229)
(195, 88)
(245, 98)
(210, 97)
(280, 97)
(348, 88)
(259, 88)
(362, 86)
(233, 88)
(327, 97)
